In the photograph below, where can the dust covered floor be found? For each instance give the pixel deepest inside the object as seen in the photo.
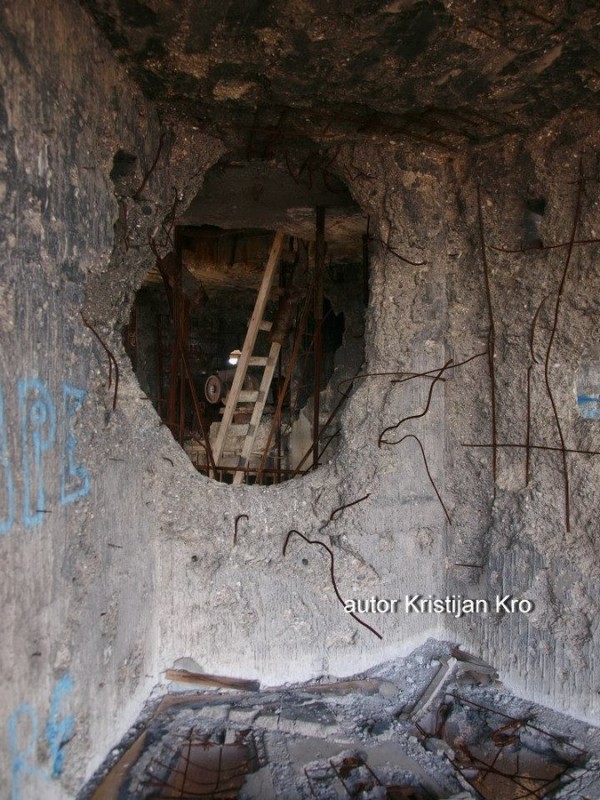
(436, 724)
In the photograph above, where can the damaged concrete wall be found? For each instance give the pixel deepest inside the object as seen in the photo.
(79, 628)
(119, 558)
(247, 609)
(516, 538)
(257, 613)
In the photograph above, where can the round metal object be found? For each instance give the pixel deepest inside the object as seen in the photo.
(213, 389)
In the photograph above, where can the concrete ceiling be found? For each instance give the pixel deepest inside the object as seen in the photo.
(227, 229)
(285, 83)
(266, 76)
(264, 195)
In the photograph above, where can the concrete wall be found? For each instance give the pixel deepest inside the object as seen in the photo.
(520, 537)
(79, 628)
(118, 558)
(248, 610)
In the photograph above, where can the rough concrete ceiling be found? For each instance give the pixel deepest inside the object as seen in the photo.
(265, 76)
(226, 230)
(268, 196)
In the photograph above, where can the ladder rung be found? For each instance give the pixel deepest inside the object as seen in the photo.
(248, 396)
(257, 361)
(257, 323)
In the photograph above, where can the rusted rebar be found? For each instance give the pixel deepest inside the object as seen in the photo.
(559, 295)
(491, 348)
(435, 489)
(323, 429)
(142, 186)
(545, 247)
(395, 253)
(530, 725)
(534, 361)
(409, 376)
(332, 575)
(180, 352)
(235, 526)
(381, 440)
(339, 509)
(111, 360)
(433, 372)
(318, 339)
(536, 447)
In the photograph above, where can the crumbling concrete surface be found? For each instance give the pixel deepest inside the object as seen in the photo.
(376, 735)
(79, 624)
(118, 558)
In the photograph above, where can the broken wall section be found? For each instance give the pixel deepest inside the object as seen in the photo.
(514, 536)
(240, 606)
(78, 628)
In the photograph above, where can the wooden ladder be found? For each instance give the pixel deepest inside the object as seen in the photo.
(238, 395)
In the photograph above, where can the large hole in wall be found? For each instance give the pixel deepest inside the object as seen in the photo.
(245, 335)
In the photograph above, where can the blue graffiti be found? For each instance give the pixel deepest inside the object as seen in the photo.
(589, 406)
(8, 485)
(23, 734)
(59, 729)
(74, 479)
(22, 740)
(38, 431)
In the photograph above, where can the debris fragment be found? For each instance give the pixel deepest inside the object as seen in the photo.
(185, 676)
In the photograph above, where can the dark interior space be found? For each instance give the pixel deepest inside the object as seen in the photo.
(190, 318)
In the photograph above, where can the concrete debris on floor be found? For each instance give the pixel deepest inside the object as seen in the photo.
(436, 724)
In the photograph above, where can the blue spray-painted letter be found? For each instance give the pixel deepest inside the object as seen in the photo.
(23, 730)
(7, 486)
(59, 729)
(74, 480)
(22, 741)
(38, 432)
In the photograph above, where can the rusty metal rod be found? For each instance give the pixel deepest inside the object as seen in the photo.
(142, 186)
(318, 312)
(408, 376)
(435, 489)
(159, 365)
(365, 266)
(491, 348)
(381, 440)
(197, 408)
(339, 509)
(528, 427)
(395, 253)
(462, 699)
(534, 361)
(182, 351)
(559, 295)
(323, 429)
(530, 250)
(331, 573)
(537, 447)
(249, 470)
(235, 526)
(111, 360)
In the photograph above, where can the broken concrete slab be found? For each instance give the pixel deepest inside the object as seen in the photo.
(306, 742)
